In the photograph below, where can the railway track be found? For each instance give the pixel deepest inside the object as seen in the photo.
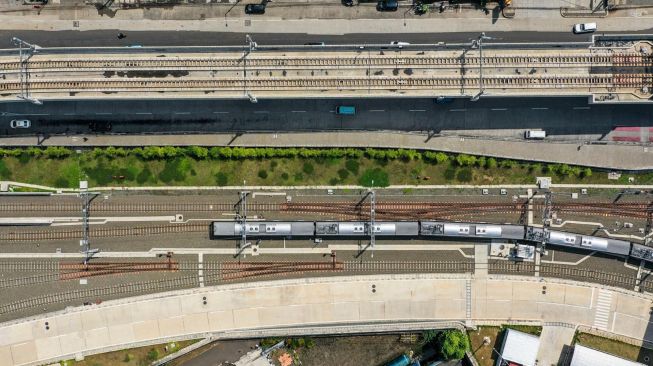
(91, 294)
(50, 234)
(256, 61)
(331, 83)
(228, 271)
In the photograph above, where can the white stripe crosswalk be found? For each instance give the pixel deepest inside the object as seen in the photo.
(603, 307)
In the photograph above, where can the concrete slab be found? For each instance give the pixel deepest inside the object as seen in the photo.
(372, 310)
(148, 329)
(555, 343)
(97, 338)
(71, 343)
(196, 323)
(6, 359)
(221, 320)
(23, 353)
(171, 326)
(121, 333)
(47, 347)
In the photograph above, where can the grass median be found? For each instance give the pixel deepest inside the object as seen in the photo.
(199, 166)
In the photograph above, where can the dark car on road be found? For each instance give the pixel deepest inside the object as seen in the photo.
(387, 5)
(254, 9)
(348, 2)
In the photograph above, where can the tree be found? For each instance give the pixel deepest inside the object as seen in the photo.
(453, 344)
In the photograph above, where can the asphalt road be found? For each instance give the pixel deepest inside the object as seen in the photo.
(104, 38)
(570, 118)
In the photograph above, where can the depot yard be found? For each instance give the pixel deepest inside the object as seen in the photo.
(198, 166)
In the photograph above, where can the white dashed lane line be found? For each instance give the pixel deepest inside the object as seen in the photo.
(417, 110)
(298, 111)
(457, 110)
(581, 107)
(499, 109)
(539, 108)
(377, 110)
(220, 112)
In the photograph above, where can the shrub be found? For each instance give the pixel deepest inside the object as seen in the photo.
(299, 177)
(465, 160)
(508, 164)
(273, 164)
(481, 161)
(491, 163)
(464, 175)
(263, 174)
(175, 170)
(376, 177)
(453, 344)
(221, 179)
(308, 168)
(57, 152)
(144, 175)
(450, 173)
(343, 173)
(284, 176)
(587, 172)
(197, 152)
(352, 166)
(334, 181)
(36, 152)
(153, 355)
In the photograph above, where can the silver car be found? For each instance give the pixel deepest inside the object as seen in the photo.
(20, 123)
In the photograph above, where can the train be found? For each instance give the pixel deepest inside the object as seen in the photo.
(429, 230)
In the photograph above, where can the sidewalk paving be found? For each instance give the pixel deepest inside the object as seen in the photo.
(555, 345)
(617, 157)
(325, 17)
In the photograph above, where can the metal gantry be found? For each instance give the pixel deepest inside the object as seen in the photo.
(479, 43)
(546, 218)
(251, 47)
(87, 197)
(241, 218)
(372, 219)
(25, 52)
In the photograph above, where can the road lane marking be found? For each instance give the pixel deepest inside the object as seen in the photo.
(539, 108)
(182, 112)
(261, 112)
(221, 112)
(69, 114)
(143, 113)
(377, 110)
(298, 111)
(417, 110)
(499, 109)
(103, 113)
(581, 107)
(458, 110)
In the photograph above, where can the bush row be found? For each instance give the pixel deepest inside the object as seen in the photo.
(241, 153)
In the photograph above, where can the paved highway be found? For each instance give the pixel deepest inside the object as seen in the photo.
(103, 38)
(571, 118)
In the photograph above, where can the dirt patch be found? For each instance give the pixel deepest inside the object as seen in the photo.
(481, 352)
(151, 74)
(131, 357)
(216, 353)
(354, 351)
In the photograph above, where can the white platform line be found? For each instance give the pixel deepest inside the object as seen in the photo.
(200, 266)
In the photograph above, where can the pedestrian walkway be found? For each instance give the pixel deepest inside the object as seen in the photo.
(618, 157)
(603, 307)
(481, 252)
(315, 306)
(555, 345)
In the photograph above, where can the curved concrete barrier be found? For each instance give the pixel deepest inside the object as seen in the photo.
(322, 305)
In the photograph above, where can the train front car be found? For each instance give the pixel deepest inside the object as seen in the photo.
(264, 229)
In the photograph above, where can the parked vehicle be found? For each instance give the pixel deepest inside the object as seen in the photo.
(585, 28)
(534, 135)
(20, 123)
(387, 5)
(314, 44)
(254, 9)
(348, 2)
(346, 110)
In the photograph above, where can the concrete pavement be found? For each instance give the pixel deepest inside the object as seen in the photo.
(617, 157)
(314, 302)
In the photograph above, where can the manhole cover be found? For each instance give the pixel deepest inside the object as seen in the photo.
(248, 22)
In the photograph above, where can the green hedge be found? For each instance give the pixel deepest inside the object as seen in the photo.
(170, 153)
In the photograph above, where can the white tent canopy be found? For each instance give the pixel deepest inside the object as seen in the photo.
(584, 356)
(519, 347)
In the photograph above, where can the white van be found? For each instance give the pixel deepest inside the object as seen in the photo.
(534, 135)
(585, 28)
